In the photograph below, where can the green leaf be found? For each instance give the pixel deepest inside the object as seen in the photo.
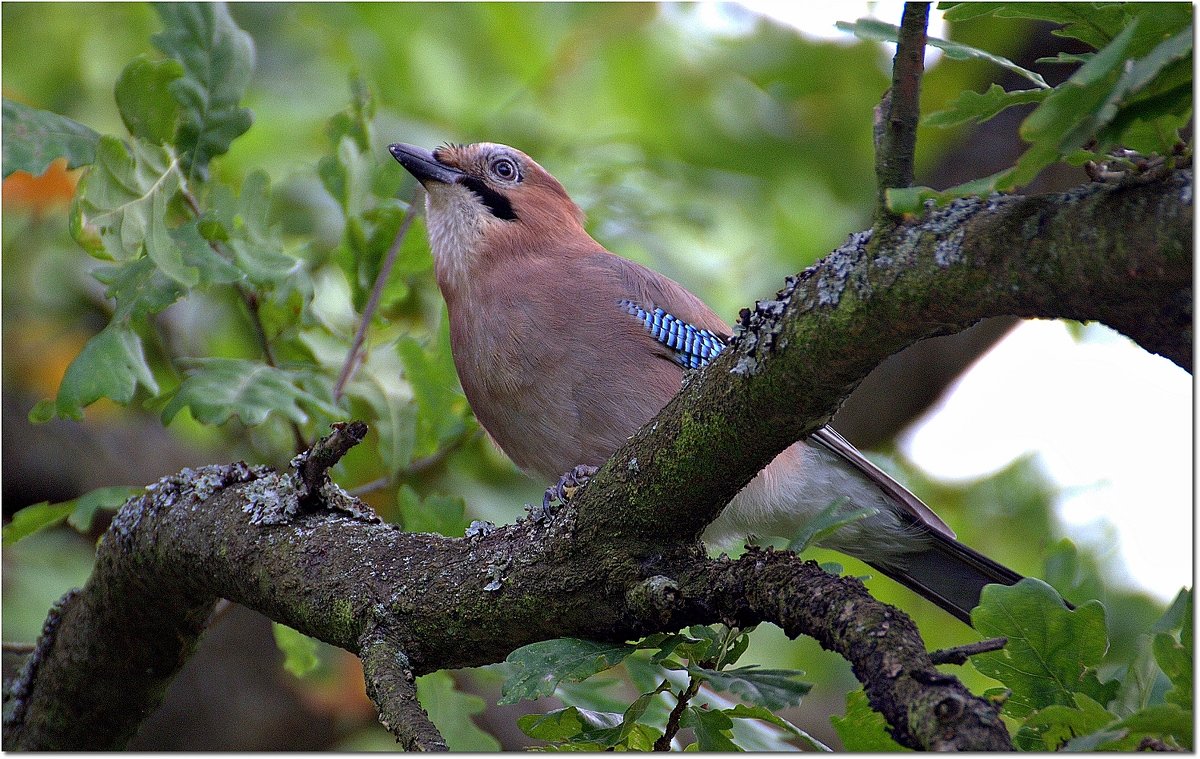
(980, 107)
(539, 667)
(772, 688)
(698, 645)
(1175, 656)
(299, 650)
(1094, 741)
(1177, 615)
(111, 498)
(829, 520)
(862, 729)
(1052, 651)
(144, 100)
(434, 381)
(381, 224)
(256, 244)
(33, 519)
(880, 31)
(1071, 115)
(1072, 574)
(743, 711)
(218, 60)
(138, 287)
(1057, 724)
(740, 645)
(1154, 87)
(111, 365)
(120, 207)
(576, 727)
(212, 267)
(217, 389)
(713, 728)
(603, 729)
(557, 725)
(444, 515)
(1139, 680)
(346, 176)
(34, 138)
(389, 401)
(911, 200)
(1096, 24)
(1160, 721)
(355, 121)
(450, 711)
(1093, 23)
(1066, 58)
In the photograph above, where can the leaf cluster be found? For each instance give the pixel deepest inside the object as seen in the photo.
(1134, 92)
(680, 678)
(1051, 673)
(166, 235)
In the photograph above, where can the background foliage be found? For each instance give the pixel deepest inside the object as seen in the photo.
(240, 203)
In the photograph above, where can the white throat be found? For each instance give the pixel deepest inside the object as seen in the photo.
(455, 219)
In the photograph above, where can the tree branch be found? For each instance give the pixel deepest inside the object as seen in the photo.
(622, 559)
(926, 709)
(391, 685)
(960, 654)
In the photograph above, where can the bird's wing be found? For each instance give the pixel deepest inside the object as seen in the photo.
(670, 315)
(913, 506)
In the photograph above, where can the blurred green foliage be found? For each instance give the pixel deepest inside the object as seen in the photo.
(255, 224)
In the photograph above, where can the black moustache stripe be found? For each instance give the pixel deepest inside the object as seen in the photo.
(496, 203)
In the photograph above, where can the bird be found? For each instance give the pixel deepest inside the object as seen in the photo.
(565, 349)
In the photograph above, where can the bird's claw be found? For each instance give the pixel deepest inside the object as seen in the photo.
(563, 491)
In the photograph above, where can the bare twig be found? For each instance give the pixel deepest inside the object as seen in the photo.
(327, 451)
(897, 115)
(352, 358)
(959, 654)
(418, 466)
(11, 647)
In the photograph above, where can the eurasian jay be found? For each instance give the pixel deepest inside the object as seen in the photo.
(547, 329)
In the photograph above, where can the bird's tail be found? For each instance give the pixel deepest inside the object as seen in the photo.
(948, 573)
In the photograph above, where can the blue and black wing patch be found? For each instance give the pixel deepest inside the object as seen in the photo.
(693, 347)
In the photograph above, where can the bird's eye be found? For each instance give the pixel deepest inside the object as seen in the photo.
(505, 169)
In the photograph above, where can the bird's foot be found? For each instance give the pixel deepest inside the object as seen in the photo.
(563, 491)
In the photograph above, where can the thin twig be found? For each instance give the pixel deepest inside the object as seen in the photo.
(11, 647)
(418, 466)
(352, 358)
(898, 113)
(664, 741)
(959, 654)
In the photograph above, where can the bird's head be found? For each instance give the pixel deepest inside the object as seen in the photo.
(487, 202)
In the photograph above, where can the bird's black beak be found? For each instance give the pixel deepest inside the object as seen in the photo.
(422, 165)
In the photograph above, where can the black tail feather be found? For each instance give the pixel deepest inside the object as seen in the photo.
(949, 574)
